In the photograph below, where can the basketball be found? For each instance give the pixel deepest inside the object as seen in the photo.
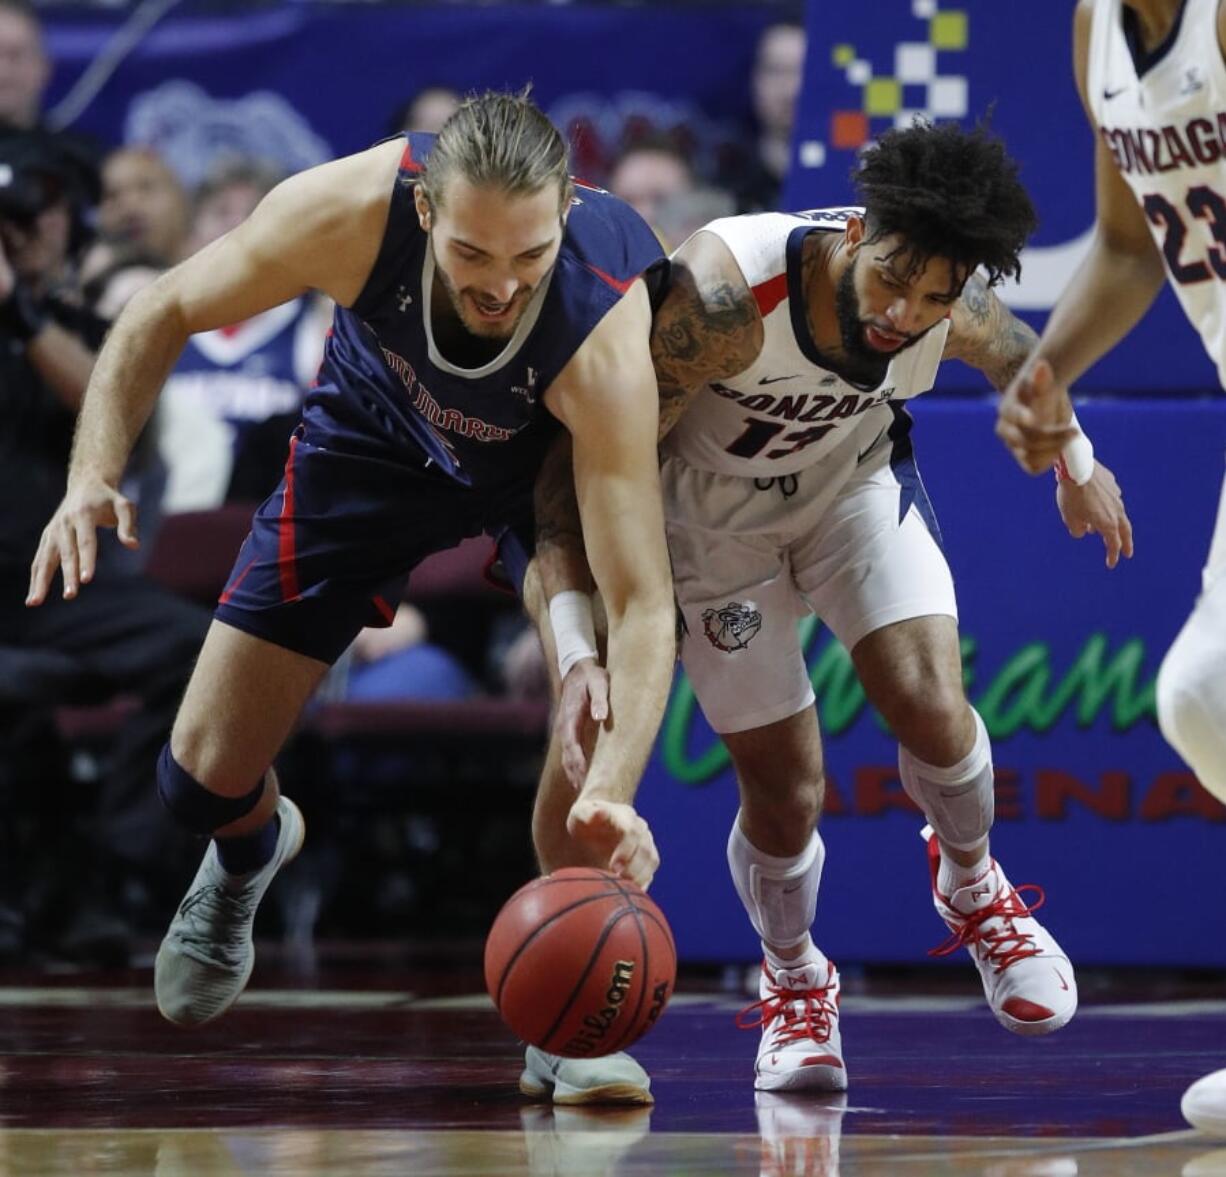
(580, 962)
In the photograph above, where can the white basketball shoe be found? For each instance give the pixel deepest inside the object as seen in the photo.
(1027, 978)
(801, 1047)
(1204, 1104)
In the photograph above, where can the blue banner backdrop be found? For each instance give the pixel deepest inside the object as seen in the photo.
(305, 82)
(1060, 657)
(871, 66)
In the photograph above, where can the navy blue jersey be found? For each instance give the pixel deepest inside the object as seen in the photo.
(483, 427)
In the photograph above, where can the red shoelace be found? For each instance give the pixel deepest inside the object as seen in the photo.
(1002, 946)
(807, 1014)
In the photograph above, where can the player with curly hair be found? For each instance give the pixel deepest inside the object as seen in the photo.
(786, 350)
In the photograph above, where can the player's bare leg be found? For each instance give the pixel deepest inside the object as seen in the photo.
(216, 776)
(614, 1078)
(912, 673)
(776, 857)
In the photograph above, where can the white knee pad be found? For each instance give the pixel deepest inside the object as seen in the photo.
(959, 802)
(780, 894)
(1191, 692)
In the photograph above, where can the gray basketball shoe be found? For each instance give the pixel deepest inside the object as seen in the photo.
(611, 1078)
(206, 957)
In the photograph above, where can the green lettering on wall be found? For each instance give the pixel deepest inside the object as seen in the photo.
(1022, 693)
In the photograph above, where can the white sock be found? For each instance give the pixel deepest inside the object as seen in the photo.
(952, 876)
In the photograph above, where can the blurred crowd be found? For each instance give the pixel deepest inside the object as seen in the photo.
(87, 860)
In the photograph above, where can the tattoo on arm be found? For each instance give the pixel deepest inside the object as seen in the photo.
(702, 332)
(560, 554)
(987, 335)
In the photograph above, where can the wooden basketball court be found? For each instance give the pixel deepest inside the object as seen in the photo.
(360, 1073)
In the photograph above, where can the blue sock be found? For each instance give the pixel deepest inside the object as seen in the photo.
(249, 852)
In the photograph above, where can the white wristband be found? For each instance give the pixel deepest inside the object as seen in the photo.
(1078, 456)
(574, 633)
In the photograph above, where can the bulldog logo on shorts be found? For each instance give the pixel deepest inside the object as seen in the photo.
(732, 627)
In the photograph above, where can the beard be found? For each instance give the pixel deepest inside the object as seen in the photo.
(861, 363)
(462, 304)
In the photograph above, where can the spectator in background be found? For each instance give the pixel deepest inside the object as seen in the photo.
(235, 394)
(227, 196)
(127, 636)
(110, 274)
(684, 213)
(648, 173)
(427, 110)
(778, 72)
(399, 662)
(144, 205)
(24, 68)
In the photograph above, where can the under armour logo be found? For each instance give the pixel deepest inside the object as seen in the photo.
(403, 299)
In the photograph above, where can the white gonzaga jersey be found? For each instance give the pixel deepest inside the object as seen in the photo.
(1162, 115)
(788, 409)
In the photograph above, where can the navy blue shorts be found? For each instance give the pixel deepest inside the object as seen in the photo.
(331, 549)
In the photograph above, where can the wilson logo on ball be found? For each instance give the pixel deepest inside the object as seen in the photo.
(596, 1026)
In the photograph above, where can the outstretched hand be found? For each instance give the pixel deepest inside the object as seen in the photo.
(582, 708)
(1098, 506)
(615, 834)
(1029, 418)
(70, 542)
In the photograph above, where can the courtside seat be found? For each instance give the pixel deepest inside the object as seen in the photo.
(193, 551)
(458, 573)
(34, 677)
(465, 719)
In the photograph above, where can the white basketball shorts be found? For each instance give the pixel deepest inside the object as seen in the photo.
(852, 539)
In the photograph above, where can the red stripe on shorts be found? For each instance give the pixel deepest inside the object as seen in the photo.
(232, 588)
(285, 528)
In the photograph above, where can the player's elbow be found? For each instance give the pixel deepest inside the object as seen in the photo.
(155, 312)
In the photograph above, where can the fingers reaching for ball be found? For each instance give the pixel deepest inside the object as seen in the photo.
(615, 834)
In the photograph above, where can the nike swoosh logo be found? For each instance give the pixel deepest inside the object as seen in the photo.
(1109, 94)
(775, 379)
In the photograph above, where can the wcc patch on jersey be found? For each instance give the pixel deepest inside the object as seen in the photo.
(731, 627)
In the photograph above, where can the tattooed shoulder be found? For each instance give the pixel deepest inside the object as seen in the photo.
(708, 328)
